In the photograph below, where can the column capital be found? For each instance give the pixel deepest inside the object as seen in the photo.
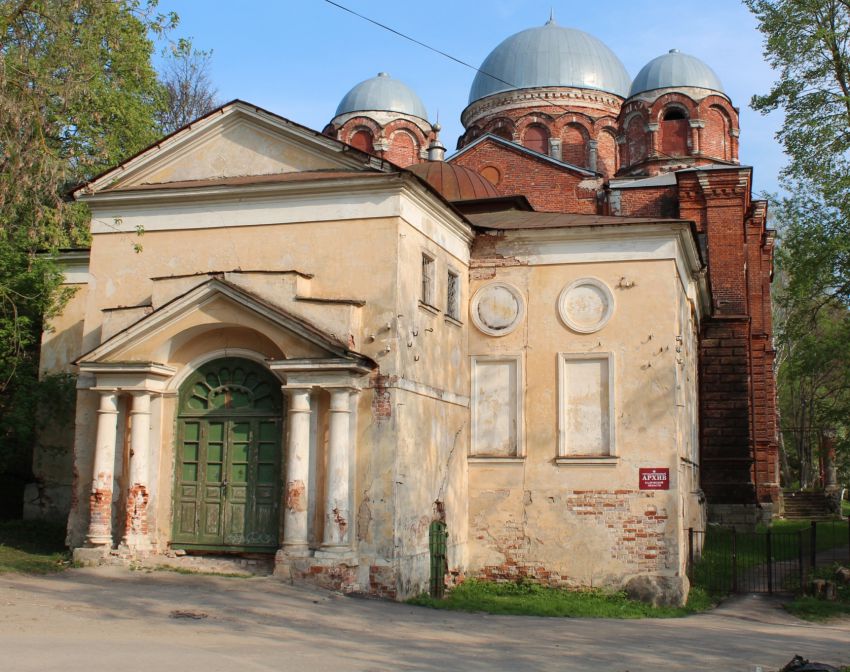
(141, 402)
(299, 399)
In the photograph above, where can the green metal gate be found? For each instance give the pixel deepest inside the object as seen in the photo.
(437, 537)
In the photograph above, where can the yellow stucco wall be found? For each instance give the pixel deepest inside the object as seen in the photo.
(575, 522)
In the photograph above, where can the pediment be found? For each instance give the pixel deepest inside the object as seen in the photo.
(238, 140)
(489, 143)
(214, 314)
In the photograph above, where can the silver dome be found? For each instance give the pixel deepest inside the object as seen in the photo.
(550, 56)
(675, 69)
(382, 93)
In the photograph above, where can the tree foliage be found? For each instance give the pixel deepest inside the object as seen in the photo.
(77, 94)
(808, 43)
(188, 92)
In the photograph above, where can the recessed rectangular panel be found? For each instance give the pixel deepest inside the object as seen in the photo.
(268, 431)
(264, 492)
(191, 431)
(215, 432)
(265, 473)
(237, 519)
(187, 518)
(267, 452)
(211, 520)
(215, 452)
(239, 473)
(190, 452)
(495, 408)
(241, 431)
(214, 473)
(587, 406)
(190, 472)
(239, 452)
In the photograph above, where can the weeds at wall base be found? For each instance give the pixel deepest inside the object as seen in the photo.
(527, 598)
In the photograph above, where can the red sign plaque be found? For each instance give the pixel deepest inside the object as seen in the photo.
(655, 479)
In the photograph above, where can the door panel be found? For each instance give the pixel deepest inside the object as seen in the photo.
(228, 483)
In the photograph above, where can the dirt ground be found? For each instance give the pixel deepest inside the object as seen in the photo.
(114, 619)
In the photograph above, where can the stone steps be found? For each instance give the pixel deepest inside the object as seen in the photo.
(807, 505)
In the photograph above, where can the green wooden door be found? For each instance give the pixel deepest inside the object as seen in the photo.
(227, 481)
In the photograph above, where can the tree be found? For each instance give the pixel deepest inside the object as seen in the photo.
(188, 92)
(77, 94)
(808, 43)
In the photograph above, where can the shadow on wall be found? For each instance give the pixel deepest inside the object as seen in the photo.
(12, 495)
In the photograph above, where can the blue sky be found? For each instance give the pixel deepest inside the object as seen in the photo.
(298, 58)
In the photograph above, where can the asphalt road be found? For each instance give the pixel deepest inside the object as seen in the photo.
(113, 619)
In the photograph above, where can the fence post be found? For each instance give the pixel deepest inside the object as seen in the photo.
(734, 562)
(769, 562)
(691, 554)
(800, 562)
(813, 551)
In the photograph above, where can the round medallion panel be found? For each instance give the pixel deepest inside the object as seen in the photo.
(497, 308)
(586, 305)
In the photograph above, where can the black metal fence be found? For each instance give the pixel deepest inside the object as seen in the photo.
(723, 560)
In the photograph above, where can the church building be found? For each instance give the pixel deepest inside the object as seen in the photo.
(545, 356)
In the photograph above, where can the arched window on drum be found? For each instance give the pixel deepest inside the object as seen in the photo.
(536, 138)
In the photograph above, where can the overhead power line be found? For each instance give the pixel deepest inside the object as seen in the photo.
(453, 58)
(438, 51)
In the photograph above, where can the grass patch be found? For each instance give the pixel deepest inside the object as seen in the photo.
(32, 547)
(525, 598)
(811, 608)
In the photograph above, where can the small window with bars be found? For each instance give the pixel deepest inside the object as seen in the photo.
(453, 295)
(427, 280)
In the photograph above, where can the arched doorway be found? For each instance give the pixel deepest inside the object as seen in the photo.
(228, 458)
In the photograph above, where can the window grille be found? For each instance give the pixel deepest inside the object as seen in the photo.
(427, 280)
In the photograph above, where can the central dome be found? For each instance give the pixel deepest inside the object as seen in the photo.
(550, 56)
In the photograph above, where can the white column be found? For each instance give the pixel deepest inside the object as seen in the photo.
(136, 526)
(337, 514)
(100, 500)
(297, 495)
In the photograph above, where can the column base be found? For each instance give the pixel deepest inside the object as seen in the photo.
(91, 556)
(341, 554)
(294, 550)
(136, 543)
(99, 541)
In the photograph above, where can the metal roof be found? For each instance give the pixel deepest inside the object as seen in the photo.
(516, 220)
(675, 69)
(550, 55)
(662, 180)
(382, 93)
(454, 182)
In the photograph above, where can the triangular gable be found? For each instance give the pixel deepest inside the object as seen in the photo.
(489, 138)
(236, 140)
(169, 316)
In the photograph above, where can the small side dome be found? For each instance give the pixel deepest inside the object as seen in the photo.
(550, 56)
(385, 94)
(675, 69)
(455, 183)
